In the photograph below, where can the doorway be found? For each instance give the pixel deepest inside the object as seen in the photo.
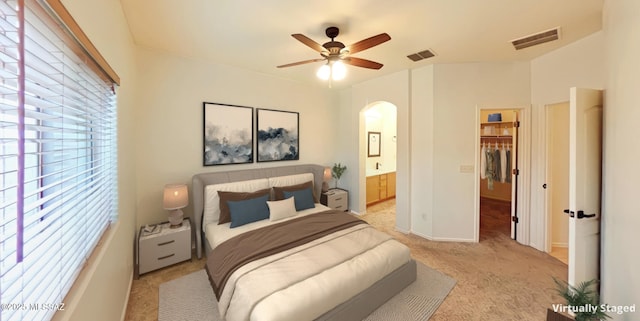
(557, 180)
(582, 117)
(498, 169)
(380, 132)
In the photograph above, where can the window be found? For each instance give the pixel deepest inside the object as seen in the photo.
(58, 168)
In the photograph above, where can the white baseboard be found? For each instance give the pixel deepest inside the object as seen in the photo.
(126, 299)
(442, 239)
(559, 244)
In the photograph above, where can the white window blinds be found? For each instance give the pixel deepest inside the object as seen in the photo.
(58, 170)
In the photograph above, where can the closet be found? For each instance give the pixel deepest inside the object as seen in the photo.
(498, 173)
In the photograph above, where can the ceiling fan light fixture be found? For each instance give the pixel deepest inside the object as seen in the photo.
(324, 72)
(333, 52)
(334, 70)
(338, 70)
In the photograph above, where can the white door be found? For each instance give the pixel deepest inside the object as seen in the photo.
(585, 172)
(514, 176)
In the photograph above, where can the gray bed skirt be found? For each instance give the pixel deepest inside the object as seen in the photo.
(367, 301)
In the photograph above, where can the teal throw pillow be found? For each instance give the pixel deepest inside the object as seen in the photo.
(248, 211)
(303, 198)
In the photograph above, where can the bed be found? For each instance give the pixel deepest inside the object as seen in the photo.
(283, 267)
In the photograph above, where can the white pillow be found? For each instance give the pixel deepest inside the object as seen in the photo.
(212, 200)
(281, 209)
(288, 180)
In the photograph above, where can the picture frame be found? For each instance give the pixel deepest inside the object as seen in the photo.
(373, 146)
(227, 134)
(278, 137)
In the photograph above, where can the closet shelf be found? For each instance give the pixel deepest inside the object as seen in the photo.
(496, 136)
(508, 123)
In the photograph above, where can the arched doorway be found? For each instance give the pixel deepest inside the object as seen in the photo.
(378, 128)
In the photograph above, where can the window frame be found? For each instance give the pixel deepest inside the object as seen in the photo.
(86, 137)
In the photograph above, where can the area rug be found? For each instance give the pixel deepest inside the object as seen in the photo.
(191, 298)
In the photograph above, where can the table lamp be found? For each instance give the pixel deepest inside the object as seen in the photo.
(176, 197)
(326, 178)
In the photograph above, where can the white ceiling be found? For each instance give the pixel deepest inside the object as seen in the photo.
(256, 34)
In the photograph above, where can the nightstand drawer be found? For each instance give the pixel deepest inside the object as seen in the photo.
(340, 206)
(337, 197)
(164, 245)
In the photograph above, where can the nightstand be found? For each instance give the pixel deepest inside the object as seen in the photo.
(166, 247)
(336, 198)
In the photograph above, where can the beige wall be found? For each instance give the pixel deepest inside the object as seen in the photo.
(422, 155)
(442, 99)
(620, 214)
(169, 128)
(102, 290)
(459, 89)
(433, 199)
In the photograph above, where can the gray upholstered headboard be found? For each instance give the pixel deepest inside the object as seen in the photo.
(199, 181)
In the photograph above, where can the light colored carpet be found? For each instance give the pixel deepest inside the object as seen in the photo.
(191, 298)
(496, 279)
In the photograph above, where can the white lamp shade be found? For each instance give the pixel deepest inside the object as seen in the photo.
(324, 72)
(175, 196)
(338, 70)
(325, 179)
(327, 174)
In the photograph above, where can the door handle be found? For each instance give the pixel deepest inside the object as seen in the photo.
(571, 213)
(581, 214)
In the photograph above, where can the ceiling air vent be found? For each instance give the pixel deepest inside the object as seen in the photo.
(421, 55)
(539, 38)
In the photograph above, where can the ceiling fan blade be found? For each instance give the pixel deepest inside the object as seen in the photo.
(301, 62)
(364, 63)
(368, 43)
(307, 41)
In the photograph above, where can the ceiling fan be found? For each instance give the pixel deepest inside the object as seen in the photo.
(335, 51)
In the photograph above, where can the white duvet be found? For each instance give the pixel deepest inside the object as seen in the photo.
(305, 282)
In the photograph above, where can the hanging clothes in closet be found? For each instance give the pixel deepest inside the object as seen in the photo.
(503, 164)
(498, 163)
(483, 162)
(495, 164)
(508, 158)
(490, 169)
